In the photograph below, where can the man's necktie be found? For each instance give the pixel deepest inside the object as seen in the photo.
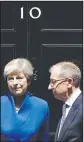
(63, 117)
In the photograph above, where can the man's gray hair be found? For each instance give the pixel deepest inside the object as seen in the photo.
(68, 69)
(19, 65)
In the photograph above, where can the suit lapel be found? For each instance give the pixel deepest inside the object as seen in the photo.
(67, 122)
(57, 129)
(72, 114)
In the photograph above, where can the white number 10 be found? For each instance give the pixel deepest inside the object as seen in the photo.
(30, 12)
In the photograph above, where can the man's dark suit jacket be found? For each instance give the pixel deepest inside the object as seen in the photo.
(72, 129)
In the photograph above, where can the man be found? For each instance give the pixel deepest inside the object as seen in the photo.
(65, 84)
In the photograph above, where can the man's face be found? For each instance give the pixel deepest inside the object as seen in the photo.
(59, 86)
(17, 83)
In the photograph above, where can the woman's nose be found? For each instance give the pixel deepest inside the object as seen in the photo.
(15, 81)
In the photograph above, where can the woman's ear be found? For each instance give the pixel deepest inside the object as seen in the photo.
(29, 82)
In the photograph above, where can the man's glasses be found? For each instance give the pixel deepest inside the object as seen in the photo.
(54, 81)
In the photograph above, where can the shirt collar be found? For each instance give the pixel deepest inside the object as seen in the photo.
(73, 97)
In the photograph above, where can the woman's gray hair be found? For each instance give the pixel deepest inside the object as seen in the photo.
(19, 65)
(68, 69)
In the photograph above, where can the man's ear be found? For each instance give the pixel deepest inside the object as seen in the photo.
(69, 82)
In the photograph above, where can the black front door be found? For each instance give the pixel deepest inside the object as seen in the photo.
(45, 33)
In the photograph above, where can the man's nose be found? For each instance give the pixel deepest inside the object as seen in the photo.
(49, 87)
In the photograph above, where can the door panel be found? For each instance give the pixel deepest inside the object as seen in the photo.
(7, 53)
(7, 11)
(62, 15)
(61, 37)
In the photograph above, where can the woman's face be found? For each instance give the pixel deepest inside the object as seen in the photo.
(17, 83)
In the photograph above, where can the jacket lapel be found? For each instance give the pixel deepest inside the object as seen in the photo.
(25, 110)
(67, 122)
(23, 113)
(73, 112)
(57, 129)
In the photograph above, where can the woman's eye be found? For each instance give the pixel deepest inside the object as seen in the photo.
(11, 78)
(19, 78)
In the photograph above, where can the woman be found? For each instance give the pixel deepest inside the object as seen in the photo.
(24, 117)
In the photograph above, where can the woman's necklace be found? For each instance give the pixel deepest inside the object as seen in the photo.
(17, 109)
